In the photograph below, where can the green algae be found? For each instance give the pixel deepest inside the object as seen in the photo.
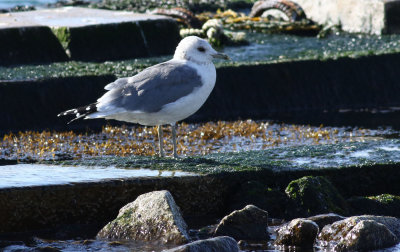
(294, 158)
(316, 195)
(63, 34)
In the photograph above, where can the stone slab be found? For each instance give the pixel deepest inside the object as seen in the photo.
(88, 34)
(363, 16)
(71, 17)
(305, 90)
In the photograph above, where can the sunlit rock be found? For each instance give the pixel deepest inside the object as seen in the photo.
(152, 216)
(298, 232)
(325, 219)
(217, 244)
(316, 195)
(249, 223)
(361, 233)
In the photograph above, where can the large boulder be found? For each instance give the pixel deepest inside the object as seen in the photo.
(316, 195)
(360, 233)
(325, 219)
(298, 232)
(153, 216)
(217, 244)
(249, 223)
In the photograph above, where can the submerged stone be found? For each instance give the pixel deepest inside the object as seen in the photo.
(316, 195)
(249, 223)
(152, 216)
(217, 244)
(361, 233)
(298, 232)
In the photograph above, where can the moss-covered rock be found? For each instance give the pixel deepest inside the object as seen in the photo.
(384, 204)
(153, 216)
(316, 195)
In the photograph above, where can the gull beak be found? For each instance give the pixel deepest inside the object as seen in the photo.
(221, 56)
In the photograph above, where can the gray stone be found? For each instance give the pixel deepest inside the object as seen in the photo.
(366, 16)
(217, 244)
(361, 233)
(298, 232)
(152, 216)
(325, 219)
(249, 223)
(97, 35)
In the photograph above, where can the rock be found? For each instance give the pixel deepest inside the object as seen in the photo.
(275, 202)
(217, 244)
(325, 219)
(298, 232)
(361, 233)
(250, 223)
(384, 204)
(152, 216)
(316, 195)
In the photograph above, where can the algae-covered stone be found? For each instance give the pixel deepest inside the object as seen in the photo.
(360, 233)
(316, 195)
(249, 223)
(217, 244)
(325, 219)
(384, 204)
(298, 232)
(152, 216)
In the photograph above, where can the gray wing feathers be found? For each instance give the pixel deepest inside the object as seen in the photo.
(152, 88)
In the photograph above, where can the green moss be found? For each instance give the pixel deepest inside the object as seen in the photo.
(316, 195)
(385, 198)
(63, 35)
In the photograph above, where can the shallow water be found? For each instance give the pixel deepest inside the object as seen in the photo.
(37, 174)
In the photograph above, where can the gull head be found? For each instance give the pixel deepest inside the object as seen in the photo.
(197, 50)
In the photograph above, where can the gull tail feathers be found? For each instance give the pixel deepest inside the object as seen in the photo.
(80, 112)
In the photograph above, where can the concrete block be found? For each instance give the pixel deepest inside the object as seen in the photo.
(27, 45)
(97, 35)
(363, 16)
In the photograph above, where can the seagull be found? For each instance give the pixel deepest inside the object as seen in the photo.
(161, 94)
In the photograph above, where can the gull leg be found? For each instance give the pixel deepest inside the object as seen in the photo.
(160, 141)
(173, 125)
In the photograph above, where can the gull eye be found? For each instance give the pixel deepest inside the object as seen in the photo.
(201, 49)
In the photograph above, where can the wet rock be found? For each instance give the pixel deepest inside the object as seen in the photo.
(360, 233)
(275, 202)
(325, 219)
(298, 232)
(152, 216)
(217, 244)
(249, 223)
(316, 195)
(384, 204)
